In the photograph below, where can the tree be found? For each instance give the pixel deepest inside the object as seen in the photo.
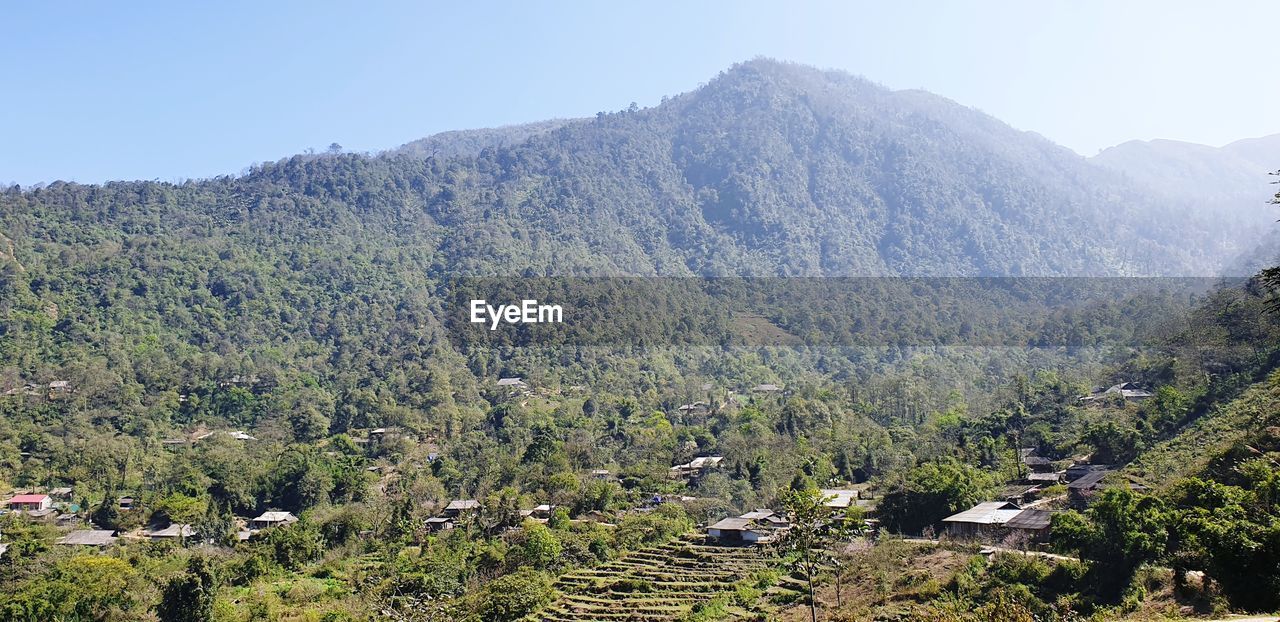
(107, 514)
(1112, 443)
(1118, 533)
(190, 596)
(931, 492)
(808, 535)
(218, 525)
(539, 547)
(1270, 277)
(1232, 533)
(514, 596)
(294, 545)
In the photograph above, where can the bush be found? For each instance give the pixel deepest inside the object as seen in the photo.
(514, 596)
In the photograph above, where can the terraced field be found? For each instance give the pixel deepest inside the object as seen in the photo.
(663, 583)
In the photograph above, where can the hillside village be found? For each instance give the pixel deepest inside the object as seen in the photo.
(888, 357)
(1018, 518)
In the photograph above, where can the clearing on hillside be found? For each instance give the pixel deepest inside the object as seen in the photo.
(663, 583)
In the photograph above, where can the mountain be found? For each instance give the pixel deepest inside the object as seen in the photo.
(770, 169)
(472, 142)
(1229, 183)
(1236, 172)
(781, 169)
(280, 341)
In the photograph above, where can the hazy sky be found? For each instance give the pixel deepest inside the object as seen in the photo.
(151, 90)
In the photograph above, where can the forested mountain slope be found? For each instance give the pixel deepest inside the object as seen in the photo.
(769, 169)
(1228, 183)
(329, 266)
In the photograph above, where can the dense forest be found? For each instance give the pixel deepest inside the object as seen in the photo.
(281, 341)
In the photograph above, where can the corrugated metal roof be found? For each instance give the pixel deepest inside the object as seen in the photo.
(89, 537)
(839, 498)
(1030, 519)
(1088, 480)
(988, 513)
(1043, 477)
(173, 531)
(732, 524)
(275, 517)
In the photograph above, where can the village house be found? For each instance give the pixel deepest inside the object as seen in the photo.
(438, 523)
(47, 514)
(458, 507)
(755, 527)
(838, 499)
(239, 380)
(1127, 391)
(1076, 471)
(768, 518)
(731, 530)
(982, 520)
(174, 531)
(1043, 479)
(89, 537)
(515, 383)
(272, 519)
(125, 503)
(1083, 487)
(61, 494)
(696, 466)
(29, 503)
(766, 388)
(1038, 464)
(1019, 493)
(1031, 523)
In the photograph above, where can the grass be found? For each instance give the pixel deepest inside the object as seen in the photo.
(1192, 450)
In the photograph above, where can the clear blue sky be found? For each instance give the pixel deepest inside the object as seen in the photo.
(151, 90)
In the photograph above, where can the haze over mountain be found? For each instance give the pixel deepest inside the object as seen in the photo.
(1230, 183)
(793, 170)
(1237, 171)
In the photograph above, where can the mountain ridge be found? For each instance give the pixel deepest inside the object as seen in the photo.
(771, 168)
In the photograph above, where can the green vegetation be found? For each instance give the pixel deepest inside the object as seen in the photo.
(213, 350)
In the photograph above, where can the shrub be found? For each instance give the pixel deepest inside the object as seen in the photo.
(514, 596)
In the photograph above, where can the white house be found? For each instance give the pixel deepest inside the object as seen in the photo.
(272, 519)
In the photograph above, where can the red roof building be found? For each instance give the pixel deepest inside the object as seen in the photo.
(29, 502)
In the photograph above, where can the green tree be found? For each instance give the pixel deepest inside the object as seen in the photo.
(1119, 532)
(514, 596)
(809, 536)
(931, 492)
(189, 597)
(539, 547)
